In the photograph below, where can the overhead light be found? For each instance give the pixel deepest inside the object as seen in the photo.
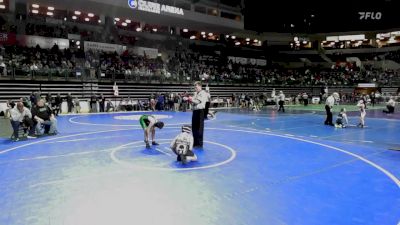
(74, 17)
(49, 13)
(35, 11)
(296, 38)
(128, 21)
(36, 6)
(154, 29)
(78, 42)
(77, 13)
(291, 44)
(233, 37)
(247, 42)
(304, 42)
(210, 34)
(79, 47)
(226, 36)
(255, 40)
(51, 8)
(192, 37)
(247, 39)
(312, 15)
(90, 15)
(204, 36)
(117, 19)
(65, 18)
(292, 25)
(124, 24)
(237, 43)
(138, 29)
(87, 19)
(185, 30)
(99, 21)
(203, 33)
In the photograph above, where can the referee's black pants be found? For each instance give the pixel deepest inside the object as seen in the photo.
(329, 116)
(198, 126)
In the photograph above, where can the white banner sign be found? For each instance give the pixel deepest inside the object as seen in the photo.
(366, 85)
(150, 53)
(43, 42)
(246, 61)
(97, 46)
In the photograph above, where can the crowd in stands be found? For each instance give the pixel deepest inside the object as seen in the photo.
(61, 31)
(183, 66)
(23, 60)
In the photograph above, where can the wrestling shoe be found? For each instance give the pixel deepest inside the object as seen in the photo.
(147, 144)
(154, 143)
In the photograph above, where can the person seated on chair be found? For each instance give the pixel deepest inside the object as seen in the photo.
(21, 116)
(390, 106)
(149, 123)
(110, 106)
(42, 115)
(182, 145)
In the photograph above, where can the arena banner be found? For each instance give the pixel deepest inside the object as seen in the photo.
(97, 46)
(247, 61)
(76, 37)
(8, 39)
(43, 42)
(150, 53)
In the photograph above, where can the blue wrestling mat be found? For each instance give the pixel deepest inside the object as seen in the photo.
(256, 168)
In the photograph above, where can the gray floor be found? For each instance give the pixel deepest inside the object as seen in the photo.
(5, 127)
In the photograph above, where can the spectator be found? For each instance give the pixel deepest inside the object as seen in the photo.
(43, 116)
(390, 106)
(110, 106)
(102, 102)
(70, 103)
(21, 116)
(58, 104)
(77, 105)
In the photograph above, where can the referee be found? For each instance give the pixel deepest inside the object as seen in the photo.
(199, 103)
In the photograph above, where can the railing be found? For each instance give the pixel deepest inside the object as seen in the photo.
(98, 75)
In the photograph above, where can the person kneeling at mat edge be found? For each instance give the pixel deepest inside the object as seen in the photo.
(149, 123)
(342, 120)
(182, 145)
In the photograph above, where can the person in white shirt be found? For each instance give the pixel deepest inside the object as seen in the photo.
(22, 116)
(281, 98)
(363, 113)
(199, 103)
(390, 106)
(330, 102)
